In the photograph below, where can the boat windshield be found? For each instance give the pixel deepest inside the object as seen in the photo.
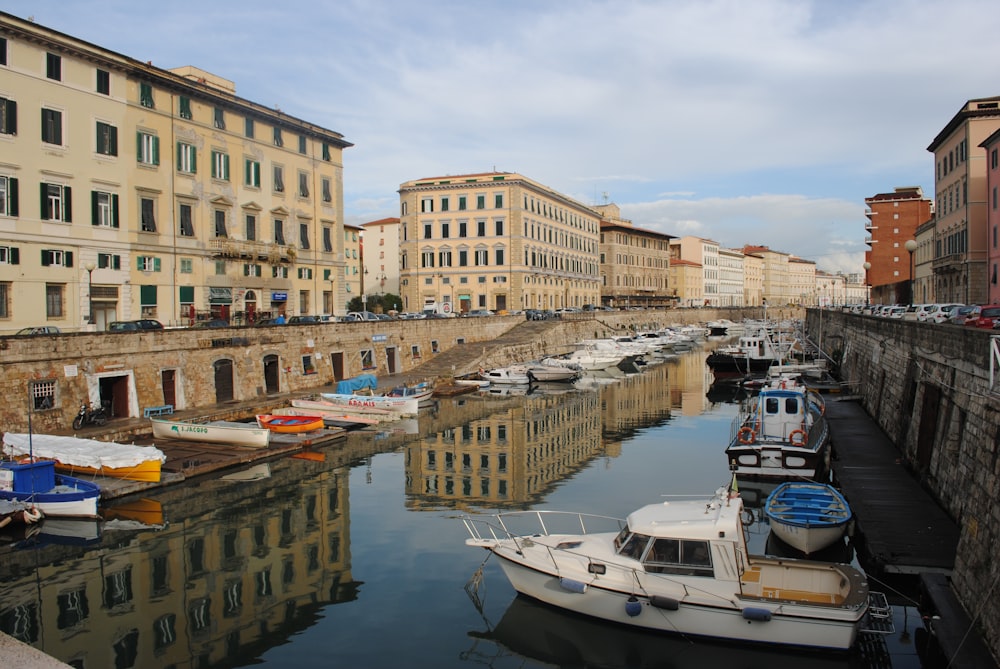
(676, 556)
(631, 545)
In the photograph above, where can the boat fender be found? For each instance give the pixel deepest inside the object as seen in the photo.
(633, 607)
(746, 435)
(661, 602)
(797, 437)
(757, 614)
(573, 585)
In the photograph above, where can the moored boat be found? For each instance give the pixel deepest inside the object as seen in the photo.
(290, 424)
(420, 391)
(676, 566)
(515, 375)
(18, 513)
(88, 457)
(249, 435)
(55, 495)
(398, 405)
(807, 515)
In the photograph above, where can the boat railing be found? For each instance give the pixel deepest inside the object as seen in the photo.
(515, 525)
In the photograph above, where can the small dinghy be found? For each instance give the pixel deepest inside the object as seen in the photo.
(290, 424)
(806, 515)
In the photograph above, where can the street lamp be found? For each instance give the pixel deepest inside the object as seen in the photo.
(90, 267)
(911, 246)
(868, 285)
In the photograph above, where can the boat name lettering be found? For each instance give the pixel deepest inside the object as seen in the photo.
(190, 428)
(361, 403)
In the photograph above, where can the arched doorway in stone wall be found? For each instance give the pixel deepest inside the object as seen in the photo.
(272, 382)
(223, 380)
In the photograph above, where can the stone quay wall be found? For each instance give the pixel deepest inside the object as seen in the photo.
(80, 367)
(930, 388)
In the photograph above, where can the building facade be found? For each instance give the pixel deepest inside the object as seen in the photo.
(635, 263)
(732, 280)
(703, 252)
(497, 241)
(381, 256)
(991, 145)
(157, 193)
(893, 219)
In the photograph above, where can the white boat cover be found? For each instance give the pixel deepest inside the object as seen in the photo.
(79, 452)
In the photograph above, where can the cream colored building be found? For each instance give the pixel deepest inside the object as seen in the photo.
(753, 279)
(687, 282)
(802, 281)
(354, 265)
(635, 263)
(732, 279)
(497, 241)
(381, 256)
(162, 194)
(705, 253)
(777, 286)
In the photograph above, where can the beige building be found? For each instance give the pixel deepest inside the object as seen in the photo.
(354, 267)
(635, 263)
(753, 279)
(776, 280)
(497, 241)
(802, 285)
(162, 194)
(961, 208)
(703, 252)
(687, 282)
(732, 279)
(381, 257)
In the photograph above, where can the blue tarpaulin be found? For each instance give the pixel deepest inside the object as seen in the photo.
(360, 382)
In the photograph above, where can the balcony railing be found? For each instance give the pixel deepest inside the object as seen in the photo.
(238, 248)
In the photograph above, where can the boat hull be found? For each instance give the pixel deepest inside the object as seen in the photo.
(398, 405)
(807, 516)
(290, 424)
(250, 436)
(71, 498)
(706, 620)
(148, 471)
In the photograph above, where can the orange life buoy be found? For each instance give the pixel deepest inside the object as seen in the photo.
(797, 437)
(746, 435)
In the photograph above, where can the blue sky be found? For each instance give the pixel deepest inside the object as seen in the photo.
(762, 122)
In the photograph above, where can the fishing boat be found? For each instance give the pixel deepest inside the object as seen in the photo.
(679, 566)
(398, 405)
(88, 457)
(290, 424)
(781, 433)
(249, 435)
(807, 515)
(421, 391)
(752, 354)
(55, 495)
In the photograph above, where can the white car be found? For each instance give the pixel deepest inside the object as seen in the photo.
(943, 313)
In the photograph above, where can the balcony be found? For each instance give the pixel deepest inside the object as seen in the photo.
(224, 247)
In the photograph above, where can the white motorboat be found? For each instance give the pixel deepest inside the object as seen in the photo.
(807, 515)
(676, 566)
(544, 373)
(515, 375)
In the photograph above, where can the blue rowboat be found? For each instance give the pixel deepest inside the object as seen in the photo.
(806, 515)
(55, 495)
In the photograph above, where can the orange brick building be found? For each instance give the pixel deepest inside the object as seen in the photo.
(892, 222)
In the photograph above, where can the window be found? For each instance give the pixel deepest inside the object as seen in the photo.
(104, 209)
(251, 227)
(326, 152)
(109, 261)
(187, 266)
(427, 205)
(248, 127)
(498, 201)
(5, 287)
(220, 223)
(463, 229)
(186, 220)
(146, 95)
(279, 272)
(251, 176)
(147, 214)
(3, 50)
(498, 227)
(302, 144)
(54, 300)
(103, 82)
(43, 395)
(444, 258)
(220, 165)
(463, 258)
(250, 269)
(107, 139)
(8, 196)
(303, 184)
(279, 180)
(445, 230)
(8, 117)
(184, 107)
(52, 126)
(480, 202)
(278, 141)
(220, 268)
(462, 203)
(219, 118)
(428, 230)
(279, 231)
(147, 148)
(147, 264)
(57, 203)
(427, 259)
(481, 228)
(56, 258)
(498, 254)
(187, 158)
(304, 235)
(53, 66)
(305, 273)
(327, 190)
(327, 239)
(445, 203)
(482, 257)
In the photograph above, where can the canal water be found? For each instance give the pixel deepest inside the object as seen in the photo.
(354, 556)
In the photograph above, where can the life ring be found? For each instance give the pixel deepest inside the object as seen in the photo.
(746, 435)
(797, 437)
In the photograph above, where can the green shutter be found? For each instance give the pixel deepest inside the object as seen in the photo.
(67, 204)
(186, 294)
(225, 165)
(138, 263)
(194, 160)
(44, 206)
(12, 196)
(93, 207)
(11, 111)
(156, 150)
(156, 265)
(138, 146)
(147, 296)
(179, 149)
(114, 210)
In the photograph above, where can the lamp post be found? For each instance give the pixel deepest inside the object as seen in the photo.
(90, 267)
(911, 246)
(868, 285)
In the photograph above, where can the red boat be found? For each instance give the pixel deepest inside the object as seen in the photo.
(276, 423)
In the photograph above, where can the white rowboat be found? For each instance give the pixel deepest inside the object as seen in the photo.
(249, 435)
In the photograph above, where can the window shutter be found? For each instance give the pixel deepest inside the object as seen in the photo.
(67, 204)
(194, 160)
(46, 258)
(156, 264)
(44, 208)
(116, 262)
(114, 210)
(179, 149)
(12, 196)
(12, 117)
(68, 255)
(225, 167)
(114, 141)
(93, 208)
(138, 263)
(138, 146)
(15, 255)
(156, 150)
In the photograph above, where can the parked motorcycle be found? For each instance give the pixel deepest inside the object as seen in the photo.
(90, 415)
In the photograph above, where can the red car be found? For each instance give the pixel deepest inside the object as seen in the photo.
(987, 318)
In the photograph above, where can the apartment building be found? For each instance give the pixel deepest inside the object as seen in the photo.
(961, 235)
(893, 219)
(497, 241)
(802, 284)
(687, 282)
(705, 253)
(992, 147)
(381, 256)
(189, 201)
(753, 279)
(635, 263)
(732, 278)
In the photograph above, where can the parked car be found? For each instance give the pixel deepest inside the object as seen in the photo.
(303, 319)
(132, 326)
(895, 312)
(265, 322)
(212, 323)
(962, 314)
(357, 316)
(478, 313)
(917, 312)
(986, 318)
(943, 313)
(39, 330)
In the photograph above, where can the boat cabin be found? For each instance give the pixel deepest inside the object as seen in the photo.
(661, 555)
(780, 412)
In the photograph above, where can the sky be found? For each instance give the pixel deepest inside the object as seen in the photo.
(764, 122)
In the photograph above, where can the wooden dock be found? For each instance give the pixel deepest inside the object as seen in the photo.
(903, 529)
